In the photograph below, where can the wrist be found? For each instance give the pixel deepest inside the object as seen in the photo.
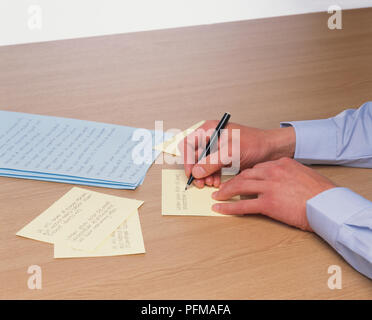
(281, 143)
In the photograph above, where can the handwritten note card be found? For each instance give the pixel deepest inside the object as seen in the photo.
(192, 202)
(81, 220)
(171, 145)
(126, 239)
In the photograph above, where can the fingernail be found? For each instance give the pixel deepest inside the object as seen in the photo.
(199, 183)
(216, 207)
(209, 181)
(198, 172)
(215, 194)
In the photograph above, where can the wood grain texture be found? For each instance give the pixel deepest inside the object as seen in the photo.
(263, 72)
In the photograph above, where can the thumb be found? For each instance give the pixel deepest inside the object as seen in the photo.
(207, 166)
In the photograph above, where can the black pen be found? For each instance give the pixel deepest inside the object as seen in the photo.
(216, 134)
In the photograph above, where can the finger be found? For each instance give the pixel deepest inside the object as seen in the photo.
(217, 179)
(209, 181)
(199, 183)
(239, 186)
(188, 169)
(209, 165)
(239, 207)
(266, 164)
(189, 153)
(253, 173)
(193, 144)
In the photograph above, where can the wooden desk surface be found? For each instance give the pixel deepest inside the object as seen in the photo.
(263, 72)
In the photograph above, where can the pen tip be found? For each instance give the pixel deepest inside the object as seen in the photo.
(185, 188)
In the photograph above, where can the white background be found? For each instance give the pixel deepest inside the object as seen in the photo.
(62, 19)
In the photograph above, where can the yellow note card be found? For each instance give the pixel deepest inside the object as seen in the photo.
(126, 239)
(191, 202)
(81, 219)
(170, 146)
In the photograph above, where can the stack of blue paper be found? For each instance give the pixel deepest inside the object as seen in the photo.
(75, 151)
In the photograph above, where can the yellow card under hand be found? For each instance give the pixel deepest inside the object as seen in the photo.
(192, 202)
(170, 146)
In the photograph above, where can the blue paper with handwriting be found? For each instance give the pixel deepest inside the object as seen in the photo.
(75, 151)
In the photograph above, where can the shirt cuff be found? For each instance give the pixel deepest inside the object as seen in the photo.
(327, 211)
(315, 140)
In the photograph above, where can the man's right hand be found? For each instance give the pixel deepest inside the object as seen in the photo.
(256, 145)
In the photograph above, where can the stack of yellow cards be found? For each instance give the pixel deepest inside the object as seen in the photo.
(85, 223)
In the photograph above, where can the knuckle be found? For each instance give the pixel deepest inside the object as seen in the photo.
(267, 205)
(227, 188)
(209, 180)
(245, 173)
(258, 165)
(272, 170)
(285, 160)
(222, 188)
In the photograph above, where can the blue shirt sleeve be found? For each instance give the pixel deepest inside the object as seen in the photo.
(340, 216)
(345, 139)
(344, 219)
